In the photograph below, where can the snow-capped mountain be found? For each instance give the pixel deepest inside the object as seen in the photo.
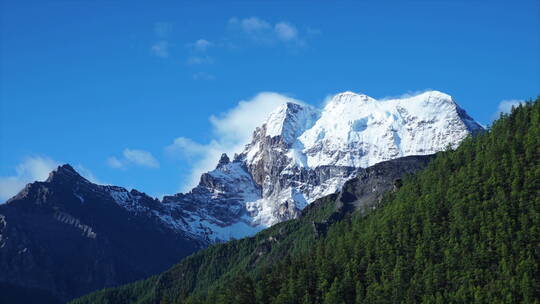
(68, 227)
(302, 153)
(299, 154)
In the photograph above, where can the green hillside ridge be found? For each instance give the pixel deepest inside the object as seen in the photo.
(221, 262)
(464, 230)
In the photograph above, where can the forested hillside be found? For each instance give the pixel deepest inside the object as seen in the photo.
(464, 230)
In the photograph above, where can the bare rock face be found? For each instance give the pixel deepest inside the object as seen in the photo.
(301, 153)
(214, 211)
(366, 190)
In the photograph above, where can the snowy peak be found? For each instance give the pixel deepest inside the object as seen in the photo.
(347, 99)
(433, 96)
(302, 153)
(360, 131)
(289, 120)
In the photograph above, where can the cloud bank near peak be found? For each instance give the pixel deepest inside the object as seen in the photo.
(231, 130)
(31, 169)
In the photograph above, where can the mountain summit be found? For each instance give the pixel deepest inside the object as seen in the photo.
(302, 153)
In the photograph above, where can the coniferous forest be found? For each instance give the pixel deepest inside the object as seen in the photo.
(464, 230)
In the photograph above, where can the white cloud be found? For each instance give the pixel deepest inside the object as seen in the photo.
(200, 45)
(198, 57)
(232, 130)
(31, 169)
(252, 30)
(141, 158)
(162, 30)
(250, 25)
(35, 168)
(203, 76)
(239, 122)
(198, 60)
(86, 173)
(161, 49)
(264, 32)
(286, 31)
(114, 162)
(505, 106)
(133, 157)
(187, 147)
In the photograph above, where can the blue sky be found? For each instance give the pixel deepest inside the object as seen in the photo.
(108, 86)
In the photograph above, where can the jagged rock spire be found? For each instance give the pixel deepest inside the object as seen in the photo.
(64, 173)
(223, 160)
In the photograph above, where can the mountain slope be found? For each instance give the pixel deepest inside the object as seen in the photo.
(69, 237)
(213, 265)
(465, 230)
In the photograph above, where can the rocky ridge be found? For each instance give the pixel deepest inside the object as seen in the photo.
(68, 236)
(302, 153)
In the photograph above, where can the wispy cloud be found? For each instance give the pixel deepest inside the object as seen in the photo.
(262, 31)
(505, 106)
(162, 31)
(203, 76)
(115, 163)
(231, 130)
(161, 49)
(241, 32)
(89, 175)
(286, 31)
(200, 45)
(198, 50)
(198, 60)
(250, 25)
(29, 170)
(135, 157)
(141, 158)
(35, 168)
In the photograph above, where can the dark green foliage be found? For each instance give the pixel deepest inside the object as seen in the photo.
(134, 293)
(465, 230)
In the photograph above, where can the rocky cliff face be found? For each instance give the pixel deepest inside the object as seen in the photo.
(69, 237)
(365, 191)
